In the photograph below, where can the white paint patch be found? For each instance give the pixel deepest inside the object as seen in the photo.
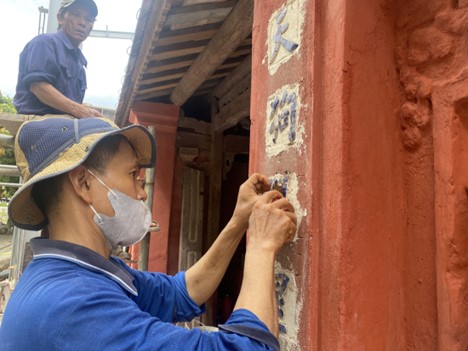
(292, 189)
(283, 118)
(289, 308)
(285, 34)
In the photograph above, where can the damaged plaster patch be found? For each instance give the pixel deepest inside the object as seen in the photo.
(288, 185)
(289, 308)
(283, 128)
(284, 33)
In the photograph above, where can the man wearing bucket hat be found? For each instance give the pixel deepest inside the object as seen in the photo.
(82, 181)
(52, 77)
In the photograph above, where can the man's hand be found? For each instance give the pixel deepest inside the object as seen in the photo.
(49, 95)
(248, 195)
(272, 223)
(83, 111)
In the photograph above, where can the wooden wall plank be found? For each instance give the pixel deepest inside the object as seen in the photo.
(237, 90)
(233, 113)
(236, 144)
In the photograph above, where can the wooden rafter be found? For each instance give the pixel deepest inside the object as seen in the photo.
(202, 6)
(234, 78)
(235, 91)
(153, 94)
(156, 67)
(199, 18)
(186, 35)
(176, 50)
(235, 29)
(154, 13)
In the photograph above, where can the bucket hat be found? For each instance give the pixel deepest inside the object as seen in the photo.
(45, 148)
(90, 5)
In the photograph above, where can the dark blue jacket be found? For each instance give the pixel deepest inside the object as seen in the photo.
(50, 58)
(71, 298)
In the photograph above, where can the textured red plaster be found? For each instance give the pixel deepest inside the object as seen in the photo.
(384, 163)
(445, 151)
(451, 153)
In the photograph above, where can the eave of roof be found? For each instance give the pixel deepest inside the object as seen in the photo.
(150, 22)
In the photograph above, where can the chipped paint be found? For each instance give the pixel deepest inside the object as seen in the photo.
(289, 308)
(289, 186)
(284, 128)
(284, 34)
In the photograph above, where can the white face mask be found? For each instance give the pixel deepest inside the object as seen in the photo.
(130, 222)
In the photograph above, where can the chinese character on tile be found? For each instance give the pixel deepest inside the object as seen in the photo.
(278, 38)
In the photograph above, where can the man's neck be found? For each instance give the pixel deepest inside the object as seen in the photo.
(81, 233)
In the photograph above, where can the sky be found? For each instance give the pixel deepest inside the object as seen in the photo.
(107, 58)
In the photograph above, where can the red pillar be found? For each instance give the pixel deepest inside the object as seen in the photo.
(380, 262)
(164, 118)
(346, 284)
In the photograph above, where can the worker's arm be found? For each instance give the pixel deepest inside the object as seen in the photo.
(272, 224)
(203, 277)
(50, 96)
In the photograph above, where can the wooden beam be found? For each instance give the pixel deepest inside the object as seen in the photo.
(193, 19)
(182, 49)
(201, 92)
(162, 78)
(172, 65)
(187, 139)
(241, 52)
(235, 77)
(233, 113)
(156, 88)
(237, 90)
(169, 65)
(196, 125)
(173, 84)
(192, 35)
(152, 95)
(235, 29)
(205, 6)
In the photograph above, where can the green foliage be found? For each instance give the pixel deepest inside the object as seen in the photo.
(6, 104)
(7, 156)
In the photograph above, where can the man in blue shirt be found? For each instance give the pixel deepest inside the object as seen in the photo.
(82, 180)
(52, 77)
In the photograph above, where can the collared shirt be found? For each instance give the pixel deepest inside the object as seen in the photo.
(71, 298)
(50, 58)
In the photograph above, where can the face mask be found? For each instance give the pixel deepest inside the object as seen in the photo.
(130, 222)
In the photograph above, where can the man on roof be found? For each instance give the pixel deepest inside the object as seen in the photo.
(82, 181)
(52, 77)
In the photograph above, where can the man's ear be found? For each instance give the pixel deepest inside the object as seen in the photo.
(59, 18)
(80, 181)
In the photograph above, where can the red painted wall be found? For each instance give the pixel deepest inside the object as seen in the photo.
(381, 262)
